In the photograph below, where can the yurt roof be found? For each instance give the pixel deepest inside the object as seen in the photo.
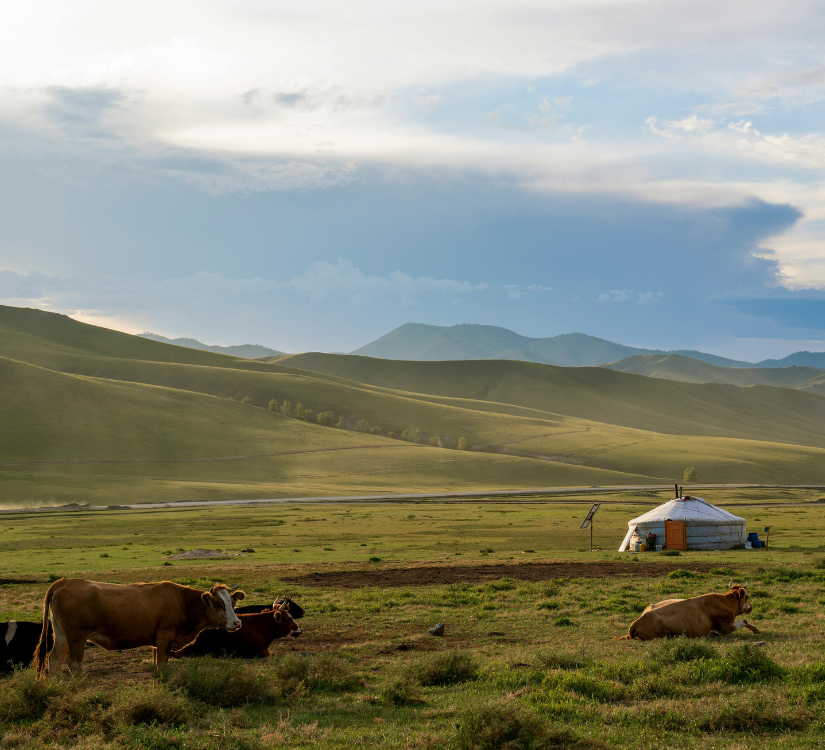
(691, 509)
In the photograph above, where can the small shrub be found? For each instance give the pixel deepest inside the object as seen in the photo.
(563, 622)
(447, 668)
(318, 672)
(550, 660)
(547, 605)
(670, 553)
(505, 584)
(401, 692)
(486, 550)
(246, 400)
(375, 559)
(25, 697)
(820, 564)
(510, 725)
(681, 650)
(104, 554)
(722, 572)
(74, 710)
(683, 574)
(746, 664)
(150, 703)
(220, 682)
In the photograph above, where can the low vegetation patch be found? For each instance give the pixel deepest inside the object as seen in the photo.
(219, 682)
(445, 668)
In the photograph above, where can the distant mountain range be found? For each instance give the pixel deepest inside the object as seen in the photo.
(417, 341)
(245, 351)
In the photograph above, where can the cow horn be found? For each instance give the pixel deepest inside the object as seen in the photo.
(745, 585)
(284, 607)
(730, 583)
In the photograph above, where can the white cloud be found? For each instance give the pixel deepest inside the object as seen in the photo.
(649, 298)
(430, 102)
(539, 288)
(615, 295)
(323, 280)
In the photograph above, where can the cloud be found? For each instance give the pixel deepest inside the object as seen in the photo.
(539, 288)
(324, 280)
(237, 176)
(668, 129)
(615, 295)
(649, 298)
(430, 102)
(82, 109)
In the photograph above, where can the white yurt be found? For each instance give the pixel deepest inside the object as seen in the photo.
(687, 523)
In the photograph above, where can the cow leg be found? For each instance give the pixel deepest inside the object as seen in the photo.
(745, 624)
(163, 645)
(59, 648)
(75, 660)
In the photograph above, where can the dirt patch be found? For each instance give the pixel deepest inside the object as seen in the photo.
(203, 554)
(16, 581)
(441, 576)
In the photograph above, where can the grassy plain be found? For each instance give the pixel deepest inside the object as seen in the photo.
(531, 662)
(74, 392)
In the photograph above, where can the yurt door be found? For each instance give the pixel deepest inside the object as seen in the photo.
(675, 535)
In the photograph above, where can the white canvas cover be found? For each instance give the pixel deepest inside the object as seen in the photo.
(707, 526)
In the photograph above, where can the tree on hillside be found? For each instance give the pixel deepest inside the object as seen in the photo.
(246, 400)
(463, 445)
(376, 430)
(326, 418)
(691, 475)
(412, 434)
(363, 425)
(299, 410)
(273, 405)
(341, 422)
(309, 415)
(286, 409)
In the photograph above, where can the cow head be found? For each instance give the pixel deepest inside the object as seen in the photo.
(740, 596)
(296, 610)
(286, 624)
(220, 603)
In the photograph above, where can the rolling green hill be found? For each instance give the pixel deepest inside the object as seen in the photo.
(172, 416)
(247, 351)
(687, 370)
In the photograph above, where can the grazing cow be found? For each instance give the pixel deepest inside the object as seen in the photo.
(115, 616)
(710, 614)
(295, 610)
(18, 641)
(253, 640)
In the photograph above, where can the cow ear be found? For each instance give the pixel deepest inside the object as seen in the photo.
(237, 596)
(208, 599)
(278, 616)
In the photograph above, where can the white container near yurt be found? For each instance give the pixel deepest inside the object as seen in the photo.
(696, 524)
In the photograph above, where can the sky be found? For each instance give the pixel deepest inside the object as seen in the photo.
(310, 175)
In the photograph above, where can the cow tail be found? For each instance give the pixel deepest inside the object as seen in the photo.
(43, 646)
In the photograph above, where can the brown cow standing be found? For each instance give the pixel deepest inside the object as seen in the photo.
(115, 616)
(694, 618)
(253, 640)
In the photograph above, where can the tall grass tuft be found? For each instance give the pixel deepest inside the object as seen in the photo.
(447, 668)
(220, 682)
(24, 697)
(681, 650)
(151, 704)
(512, 726)
(325, 673)
(745, 664)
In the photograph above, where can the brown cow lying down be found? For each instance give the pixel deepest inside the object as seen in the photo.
(115, 616)
(710, 614)
(253, 640)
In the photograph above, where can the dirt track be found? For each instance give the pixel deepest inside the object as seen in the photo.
(438, 576)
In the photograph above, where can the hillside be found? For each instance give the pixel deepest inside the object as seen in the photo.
(416, 341)
(75, 392)
(687, 370)
(247, 351)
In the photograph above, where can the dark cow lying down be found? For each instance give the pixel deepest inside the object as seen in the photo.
(251, 641)
(295, 610)
(18, 641)
(710, 614)
(164, 615)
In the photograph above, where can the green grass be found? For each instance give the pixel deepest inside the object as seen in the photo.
(366, 673)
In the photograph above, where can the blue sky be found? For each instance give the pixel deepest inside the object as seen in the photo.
(311, 175)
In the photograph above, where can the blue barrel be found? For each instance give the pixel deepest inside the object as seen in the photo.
(756, 543)
(753, 536)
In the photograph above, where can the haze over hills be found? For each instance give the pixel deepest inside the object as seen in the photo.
(148, 420)
(687, 370)
(247, 351)
(417, 341)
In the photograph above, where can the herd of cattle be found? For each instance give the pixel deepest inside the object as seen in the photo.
(179, 621)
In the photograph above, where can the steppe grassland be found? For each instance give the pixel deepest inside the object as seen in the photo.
(536, 656)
